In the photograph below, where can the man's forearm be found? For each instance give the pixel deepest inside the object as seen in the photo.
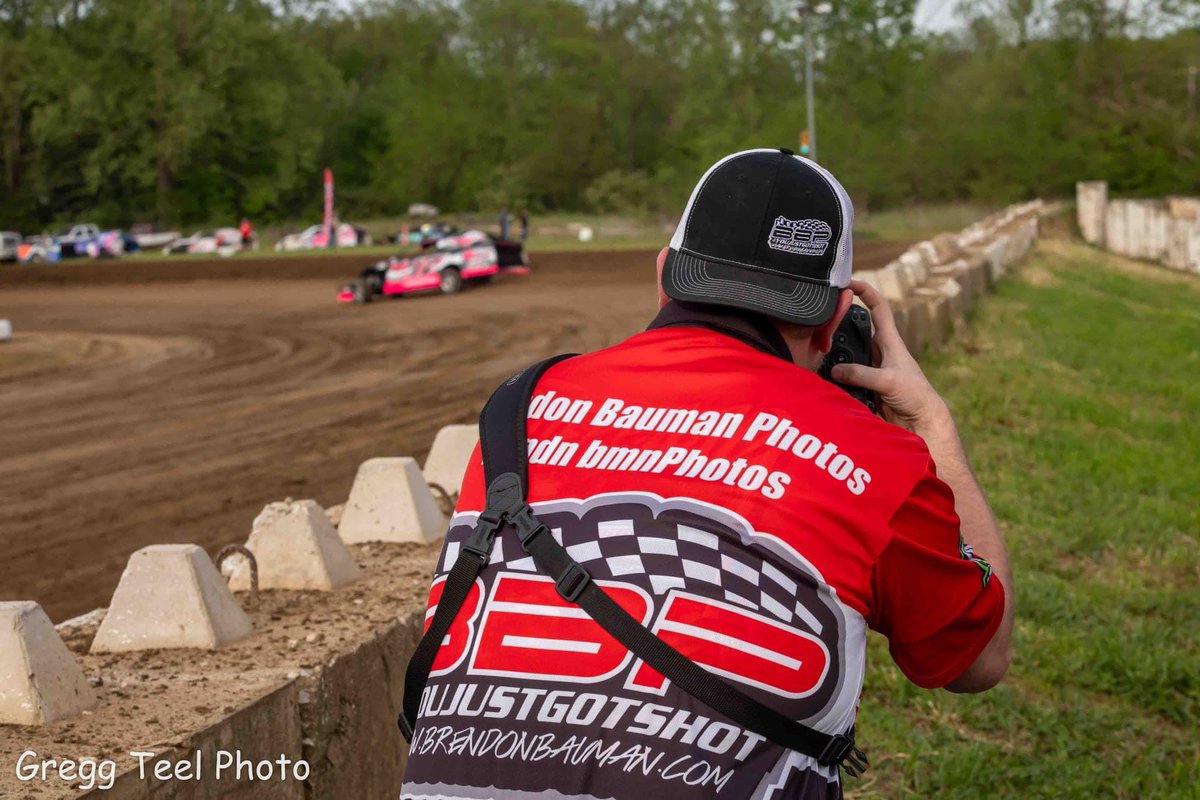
(978, 524)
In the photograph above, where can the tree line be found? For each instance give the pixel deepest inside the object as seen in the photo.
(197, 111)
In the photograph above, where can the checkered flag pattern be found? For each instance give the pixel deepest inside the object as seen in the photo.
(673, 550)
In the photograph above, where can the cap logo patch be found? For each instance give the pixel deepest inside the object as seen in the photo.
(805, 237)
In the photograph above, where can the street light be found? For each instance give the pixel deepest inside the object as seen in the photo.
(803, 12)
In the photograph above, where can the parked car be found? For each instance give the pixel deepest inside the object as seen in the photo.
(10, 241)
(106, 244)
(84, 239)
(315, 237)
(180, 244)
(38, 249)
(148, 238)
(223, 241)
(471, 257)
(78, 234)
(423, 210)
(425, 235)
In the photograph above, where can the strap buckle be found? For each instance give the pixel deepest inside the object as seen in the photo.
(528, 526)
(841, 752)
(481, 541)
(573, 580)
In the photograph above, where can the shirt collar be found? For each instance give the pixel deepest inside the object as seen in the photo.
(746, 326)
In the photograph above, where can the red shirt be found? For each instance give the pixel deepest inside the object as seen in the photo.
(756, 517)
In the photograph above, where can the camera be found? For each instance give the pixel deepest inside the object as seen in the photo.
(852, 345)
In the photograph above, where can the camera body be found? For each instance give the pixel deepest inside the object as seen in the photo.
(852, 345)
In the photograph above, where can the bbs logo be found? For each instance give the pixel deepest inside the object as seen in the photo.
(807, 237)
(730, 607)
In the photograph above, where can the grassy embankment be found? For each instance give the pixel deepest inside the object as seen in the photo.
(1077, 391)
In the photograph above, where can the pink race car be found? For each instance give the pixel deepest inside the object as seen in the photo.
(471, 257)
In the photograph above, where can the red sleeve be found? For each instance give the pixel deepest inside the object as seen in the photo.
(936, 602)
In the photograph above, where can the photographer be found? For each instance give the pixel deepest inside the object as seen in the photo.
(753, 516)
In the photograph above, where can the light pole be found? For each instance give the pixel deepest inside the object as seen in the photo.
(803, 12)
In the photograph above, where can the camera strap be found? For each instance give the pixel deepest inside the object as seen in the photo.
(505, 463)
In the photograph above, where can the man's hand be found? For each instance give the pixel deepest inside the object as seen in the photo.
(907, 397)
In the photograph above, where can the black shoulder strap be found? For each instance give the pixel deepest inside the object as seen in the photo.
(505, 414)
(502, 434)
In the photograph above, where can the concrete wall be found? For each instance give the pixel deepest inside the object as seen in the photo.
(349, 720)
(265, 729)
(934, 284)
(1091, 198)
(1166, 231)
(340, 717)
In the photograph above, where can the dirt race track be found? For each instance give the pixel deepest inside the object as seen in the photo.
(145, 403)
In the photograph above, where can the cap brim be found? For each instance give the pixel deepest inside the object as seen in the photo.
(689, 278)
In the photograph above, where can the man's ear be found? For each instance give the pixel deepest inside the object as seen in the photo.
(822, 338)
(662, 259)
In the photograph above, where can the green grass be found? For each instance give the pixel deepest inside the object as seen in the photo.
(1077, 391)
(918, 222)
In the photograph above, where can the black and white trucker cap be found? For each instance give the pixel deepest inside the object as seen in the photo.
(767, 231)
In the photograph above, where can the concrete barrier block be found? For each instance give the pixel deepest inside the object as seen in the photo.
(892, 283)
(971, 283)
(928, 252)
(973, 236)
(919, 326)
(998, 253)
(1187, 208)
(1191, 257)
(960, 300)
(1115, 234)
(1026, 235)
(952, 291)
(937, 306)
(391, 502)
(977, 267)
(171, 596)
(39, 679)
(1183, 245)
(296, 547)
(1141, 228)
(1091, 210)
(914, 266)
(946, 247)
(1158, 230)
(448, 457)
(973, 276)
(901, 315)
